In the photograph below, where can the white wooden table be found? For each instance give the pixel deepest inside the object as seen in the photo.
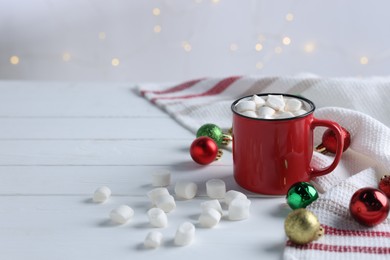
(60, 141)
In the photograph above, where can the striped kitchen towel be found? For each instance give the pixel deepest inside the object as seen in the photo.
(359, 105)
(343, 237)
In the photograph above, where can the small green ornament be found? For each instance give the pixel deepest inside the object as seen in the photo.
(301, 194)
(215, 133)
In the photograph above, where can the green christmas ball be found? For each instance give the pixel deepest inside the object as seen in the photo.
(212, 131)
(301, 194)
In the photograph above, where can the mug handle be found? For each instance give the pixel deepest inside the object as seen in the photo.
(339, 150)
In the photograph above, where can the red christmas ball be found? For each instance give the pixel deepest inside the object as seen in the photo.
(204, 150)
(384, 185)
(369, 206)
(329, 141)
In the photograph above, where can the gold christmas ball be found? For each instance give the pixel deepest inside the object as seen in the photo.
(302, 227)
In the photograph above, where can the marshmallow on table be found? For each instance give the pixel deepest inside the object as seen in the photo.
(232, 194)
(211, 204)
(153, 239)
(166, 203)
(185, 189)
(161, 178)
(293, 105)
(121, 214)
(185, 233)
(239, 209)
(101, 194)
(216, 188)
(156, 193)
(259, 101)
(209, 218)
(275, 101)
(215, 204)
(157, 217)
(245, 105)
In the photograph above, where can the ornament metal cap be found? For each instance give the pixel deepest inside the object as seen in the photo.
(384, 185)
(226, 139)
(219, 155)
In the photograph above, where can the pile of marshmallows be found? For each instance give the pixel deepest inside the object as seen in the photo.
(163, 202)
(270, 107)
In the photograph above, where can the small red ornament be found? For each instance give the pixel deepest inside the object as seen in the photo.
(384, 185)
(369, 206)
(329, 141)
(204, 150)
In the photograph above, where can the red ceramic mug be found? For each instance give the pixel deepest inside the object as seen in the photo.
(270, 155)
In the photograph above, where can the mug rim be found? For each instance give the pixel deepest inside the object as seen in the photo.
(313, 107)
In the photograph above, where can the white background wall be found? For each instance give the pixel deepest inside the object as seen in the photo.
(78, 39)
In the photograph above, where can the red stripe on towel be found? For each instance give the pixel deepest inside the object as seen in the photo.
(355, 233)
(216, 89)
(173, 89)
(342, 249)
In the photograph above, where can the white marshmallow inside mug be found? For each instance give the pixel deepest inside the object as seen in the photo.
(157, 217)
(161, 178)
(245, 105)
(185, 189)
(276, 102)
(153, 239)
(185, 234)
(121, 214)
(284, 114)
(272, 107)
(216, 188)
(264, 112)
(101, 194)
(299, 112)
(259, 101)
(293, 105)
(249, 114)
